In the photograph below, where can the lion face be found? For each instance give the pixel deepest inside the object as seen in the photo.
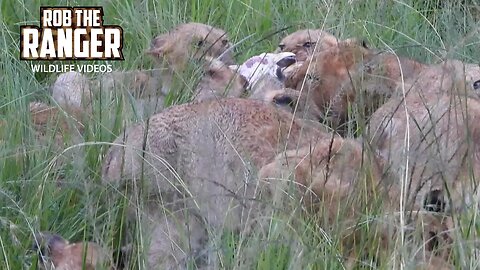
(191, 40)
(304, 43)
(329, 77)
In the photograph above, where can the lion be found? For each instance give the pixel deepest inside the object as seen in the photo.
(432, 143)
(55, 121)
(71, 108)
(188, 41)
(303, 43)
(351, 73)
(187, 205)
(74, 95)
(437, 113)
(328, 78)
(57, 253)
(239, 137)
(72, 91)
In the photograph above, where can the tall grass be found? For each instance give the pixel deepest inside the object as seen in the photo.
(46, 188)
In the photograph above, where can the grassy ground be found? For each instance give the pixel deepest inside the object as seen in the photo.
(68, 198)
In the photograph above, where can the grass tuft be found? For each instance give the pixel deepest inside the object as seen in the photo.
(49, 189)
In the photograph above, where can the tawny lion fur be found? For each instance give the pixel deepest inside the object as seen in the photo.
(202, 157)
(326, 77)
(304, 42)
(428, 132)
(188, 41)
(351, 73)
(57, 253)
(74, 94)
(338, 76)
(432, 143)
(217, 81)
(53, 120)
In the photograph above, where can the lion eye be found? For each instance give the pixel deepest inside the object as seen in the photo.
(282, 47)
(308, 44)
(476, 85)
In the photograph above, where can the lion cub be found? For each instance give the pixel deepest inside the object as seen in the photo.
(57, 253)
(351, 73)
(74, 93)
(202, 157)
(188, 41)
(45, 117)
(328, 77)
(303, 42)
(433, 141)
(437, 110)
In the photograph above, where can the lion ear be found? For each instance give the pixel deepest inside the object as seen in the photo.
(365, 44)
(158, 46)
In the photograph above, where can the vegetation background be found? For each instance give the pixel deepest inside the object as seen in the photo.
(45, 188)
